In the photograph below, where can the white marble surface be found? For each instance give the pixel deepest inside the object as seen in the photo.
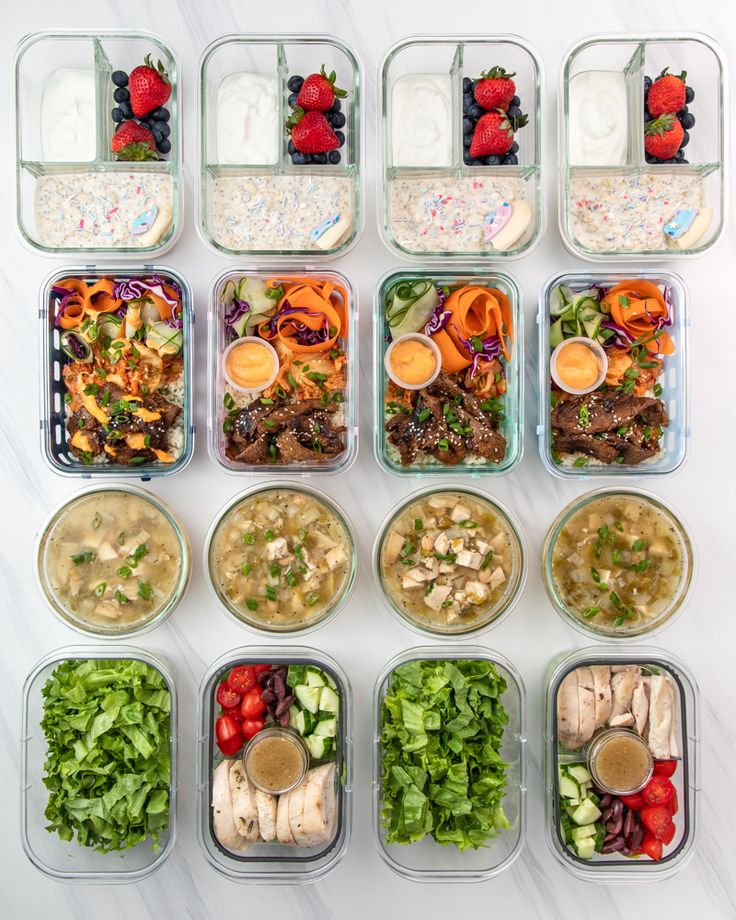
(364, 636)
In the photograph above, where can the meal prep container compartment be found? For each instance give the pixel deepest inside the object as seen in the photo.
(707, 152)
(513, 400)
(613, 869)
(427, 861)
(273, 863)
(674, 380)
(253, 623)
(279, 56)
(217, 384)
(53, 412)
(37, 57)
(459, 57)
(687, 579)
(86, 628)
(68, 861)
(520, 564)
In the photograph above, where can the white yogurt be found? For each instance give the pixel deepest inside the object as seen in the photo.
(248, 129)
(598, 120)
(68, 118)
(421, 120)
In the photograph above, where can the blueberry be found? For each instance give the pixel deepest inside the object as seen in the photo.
(291, 148)
(476, 111)
(515, 100)
(514, 111)
(116, 115)
(468, 160)
(147, 122)
(126, 110)
(295, 83)
(689, 94)
(333, 157)
(468, 125)
(467, 101)
(685, 161)
(119, 77)
(687, 121)
(649, 158)
(467, 139)
(684, 110)
(511, 160)
(160, 114)
(685, 139)
(647, 82)
(300, 159)
(679, 156)
(164, 128)
(292, 100)
(319, 158)
(121, 95)
(336, 106)
(467, 84)
(340, 138)
(337, 120)
(164, 146)
(647, 116)
(514, 148)
(157, 135)
(492, 160)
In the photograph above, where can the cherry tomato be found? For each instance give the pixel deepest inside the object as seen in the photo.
(234, 713)
(669, 835)
(241, 678)
(657, 819)
(664, 767)
(260, 668)
(651, 847)
(226, 697)
(673, 805)
(251, 727)
(252, 706)
(658, 791)
(635, 802)
(228, 734)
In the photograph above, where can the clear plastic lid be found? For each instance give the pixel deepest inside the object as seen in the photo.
(670, 386)
(314, 432)
(57, 416)
(435, 200)
(678, 740)
(64, 99)
(273, 862)
(255, 196)
(425, 860)
(67, 860)
(673, 205)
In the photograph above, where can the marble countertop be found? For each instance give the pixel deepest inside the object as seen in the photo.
(364, 636)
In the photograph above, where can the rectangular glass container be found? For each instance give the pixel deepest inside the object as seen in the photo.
(67, 861)
(54, 447)
(427, 861)
(512, 426)
(616, 868)
(273, 863)
(272, 194)
(635, 199)
(418, 214)
(52, 212)
(674, 381)
(218, 388)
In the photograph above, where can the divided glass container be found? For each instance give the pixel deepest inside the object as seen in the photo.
(674, 380)
(53, 407)
(427, 861)
(86, 206)
(254, 200)
(511, 426)
(273, 863)
(224, 401)
(613, 211)
(614, 867)
(447, 208)
(67, 861)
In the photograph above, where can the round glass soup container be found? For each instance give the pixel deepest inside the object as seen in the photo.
(425, 860)
(630, 538)
(66, 860)
(272, 862)
(485, 573)
(101, 543)
(683, 744)
(293, 555)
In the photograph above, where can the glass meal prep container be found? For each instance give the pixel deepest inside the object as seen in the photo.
(480, 382)
(652, 696)
(267, 848)
(618, 563)
(616, 198)
(425, 860)
(67, 860)
(570, 304)
(130, 561)
(257, 195)
(94, 202)
(131, 413)
(293, 406)
(281, 558)
(435, 199)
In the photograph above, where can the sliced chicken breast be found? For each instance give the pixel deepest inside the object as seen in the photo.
(586, 702)
(622, 689)
(316, 825)
(266, 806)
(568, 712)
(660, 717)
(640, 705)
(602, 692)
(625, 720)
(283, 828)
(245, 815)
(296, 807)
(222, 810)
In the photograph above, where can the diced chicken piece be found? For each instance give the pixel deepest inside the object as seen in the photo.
(439, 502)
(452, 612)
(457, 545)
(409, 583)
(625, 720)
(276, 549)
(460, 513)
(418, 574)
(476, 592)
(482, 546)
(335, 557)
(498, 577)
(499, 543)
(660, 716)
(245, 814)
(106, 552)
(568, 712)
(632, 510)
(446, 568)
(222, 810)
(108, 610)
(586, 698)
(437, 596)
(393, 547)
(602, 693)
(469, 559)
(605, 576)
(442, 543)
(323, 541)
(658, 547)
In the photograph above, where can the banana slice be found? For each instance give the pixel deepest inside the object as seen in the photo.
(695, 231)
(515, 228)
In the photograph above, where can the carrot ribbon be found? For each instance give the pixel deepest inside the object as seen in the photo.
(639, 308)
(476, 312)
(314, 305)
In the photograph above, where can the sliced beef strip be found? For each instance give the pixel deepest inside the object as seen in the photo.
(486, 441)
(632, 453)
(445, 386)
(317, 429)
(571, 442)
(245, 426)
(606, 411)
(251, 453)
(124, 454)
(81, 420)
(168, 410)
(292, 450)
(280, 416)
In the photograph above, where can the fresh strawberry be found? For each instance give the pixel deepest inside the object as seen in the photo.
(311, 132)
(667, 94)
(663, 137)
(495, 89)
(132, 141)
(149, 87)
(318, 92)
(494, 133)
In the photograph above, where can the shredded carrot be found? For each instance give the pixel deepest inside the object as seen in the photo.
(73, 313)
(475, 312)
(100, 298)
(316, 302)
(637, 306)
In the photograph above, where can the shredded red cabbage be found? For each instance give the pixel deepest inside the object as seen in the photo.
(303, 334)
(491, 348)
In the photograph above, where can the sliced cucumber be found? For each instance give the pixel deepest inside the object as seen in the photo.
(315, 677)
(580, 833)
(326, 727)
(329, 701)
(585, 848)
(319, 746)
(228, 293)
(579, 773)
(308, 697)
(569, 789)
(297, 719)
(586, 813)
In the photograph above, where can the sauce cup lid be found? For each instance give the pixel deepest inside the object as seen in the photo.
(423, 340)
(255, 340)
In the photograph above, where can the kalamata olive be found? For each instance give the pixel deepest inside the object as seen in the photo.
(284, 704)
(279, 686)
(605, 801)
(268, 696)
(613, 846)
(609, 837)
(628, 822)
(637, 835)
(625, 851)
(607, 815)
(284, 718)
(263, 677)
